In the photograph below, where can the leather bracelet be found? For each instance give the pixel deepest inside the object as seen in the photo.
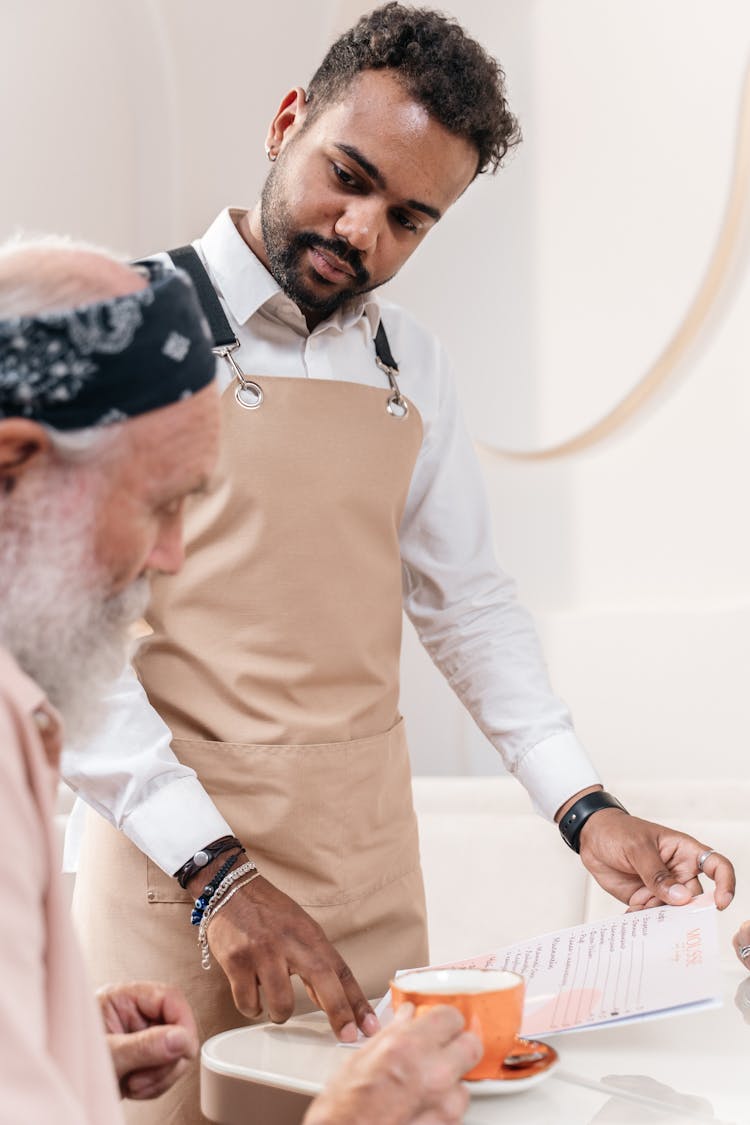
(203, 857)
(571, 824)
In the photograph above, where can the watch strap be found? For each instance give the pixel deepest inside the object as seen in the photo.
(571, 824)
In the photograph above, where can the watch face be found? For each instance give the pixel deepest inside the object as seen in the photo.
(200, 859)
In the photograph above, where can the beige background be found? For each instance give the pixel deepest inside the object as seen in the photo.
(553, 285)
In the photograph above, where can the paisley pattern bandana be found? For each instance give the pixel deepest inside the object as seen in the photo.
(108, 361)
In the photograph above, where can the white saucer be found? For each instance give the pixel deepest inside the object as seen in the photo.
(491, 1087)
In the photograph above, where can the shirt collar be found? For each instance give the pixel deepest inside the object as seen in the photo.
(247, 286)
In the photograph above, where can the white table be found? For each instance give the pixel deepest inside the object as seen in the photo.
(688, 1068)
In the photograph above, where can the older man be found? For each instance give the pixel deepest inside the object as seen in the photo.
(108, 421)
(86, 508)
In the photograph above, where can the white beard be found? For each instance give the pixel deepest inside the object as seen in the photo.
(57, 618)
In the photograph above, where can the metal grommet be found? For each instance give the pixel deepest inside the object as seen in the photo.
(397, 406)
(249, 395)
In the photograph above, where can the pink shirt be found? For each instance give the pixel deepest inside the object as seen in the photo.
(54, 1062)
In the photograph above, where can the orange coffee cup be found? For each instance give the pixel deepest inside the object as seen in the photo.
(490, 1000)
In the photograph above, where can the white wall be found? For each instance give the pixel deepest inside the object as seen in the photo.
(553, 284)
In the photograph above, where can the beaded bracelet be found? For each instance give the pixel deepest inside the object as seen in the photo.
(214, 908)
(228, 881)
(210, 888)
(200, 912)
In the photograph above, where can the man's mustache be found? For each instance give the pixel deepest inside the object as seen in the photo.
(339, 248)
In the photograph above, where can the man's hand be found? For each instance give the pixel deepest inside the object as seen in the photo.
(151, 1034)
(262, 938)
(646, 864)
(741, 940)
(408, 1075)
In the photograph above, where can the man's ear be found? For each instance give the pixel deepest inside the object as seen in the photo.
(287, 120)
(22, 444)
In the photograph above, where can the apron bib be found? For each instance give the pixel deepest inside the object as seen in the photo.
(274, 660)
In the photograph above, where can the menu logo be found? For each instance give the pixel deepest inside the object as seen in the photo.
(694, 948)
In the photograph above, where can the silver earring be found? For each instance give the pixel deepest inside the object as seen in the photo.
(270, 155)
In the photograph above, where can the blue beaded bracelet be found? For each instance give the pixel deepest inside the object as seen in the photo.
(208, 891)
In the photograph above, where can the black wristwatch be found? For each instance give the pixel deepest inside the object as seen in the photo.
(571, 824)
(203, 857)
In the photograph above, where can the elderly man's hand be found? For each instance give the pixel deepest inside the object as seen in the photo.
(262, 938)
(151, 1034)
(408, 1074)
(740, 941)
(646, 864)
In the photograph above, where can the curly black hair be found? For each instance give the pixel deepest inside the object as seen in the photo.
(439, 65)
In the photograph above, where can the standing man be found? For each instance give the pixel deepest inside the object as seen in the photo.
(265, 713)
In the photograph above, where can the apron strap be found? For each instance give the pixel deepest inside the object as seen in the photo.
(383, 348)
(187, 259)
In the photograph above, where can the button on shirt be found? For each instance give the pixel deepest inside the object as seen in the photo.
(463, 607)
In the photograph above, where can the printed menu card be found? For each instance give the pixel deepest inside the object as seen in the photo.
(631, 967)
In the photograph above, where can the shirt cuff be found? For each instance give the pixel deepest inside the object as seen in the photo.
(554, 770)
(175, 822)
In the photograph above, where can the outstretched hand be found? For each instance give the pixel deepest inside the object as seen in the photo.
(645, 864)
(741, 942)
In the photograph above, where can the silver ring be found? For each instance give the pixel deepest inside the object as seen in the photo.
(744, 951)
(703, 857)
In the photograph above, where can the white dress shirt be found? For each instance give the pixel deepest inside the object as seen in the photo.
(463, 607)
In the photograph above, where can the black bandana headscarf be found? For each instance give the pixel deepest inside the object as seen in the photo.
(108, 361)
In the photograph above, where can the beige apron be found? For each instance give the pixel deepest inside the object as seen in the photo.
(275, 662)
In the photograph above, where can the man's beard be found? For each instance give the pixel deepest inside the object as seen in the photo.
(57, 617)
(285, 248)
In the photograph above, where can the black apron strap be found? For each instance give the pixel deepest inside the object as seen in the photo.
(383, 348)
(185, 258)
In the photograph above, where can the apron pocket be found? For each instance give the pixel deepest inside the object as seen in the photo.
(164, 888)
(327, 823)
